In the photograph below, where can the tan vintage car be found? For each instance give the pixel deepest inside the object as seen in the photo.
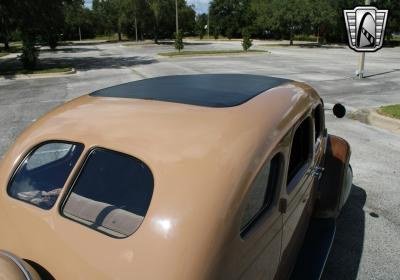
(180, 177)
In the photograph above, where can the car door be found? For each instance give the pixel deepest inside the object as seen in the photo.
(295, 203)
(261, 223)
(253, 251)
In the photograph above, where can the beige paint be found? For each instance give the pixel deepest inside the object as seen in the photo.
(203, 160)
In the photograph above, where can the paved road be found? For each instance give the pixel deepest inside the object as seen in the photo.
(367, 243)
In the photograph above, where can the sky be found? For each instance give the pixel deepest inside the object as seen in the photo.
(200, 6)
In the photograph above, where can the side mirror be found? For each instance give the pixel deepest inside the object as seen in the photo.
(339, 110)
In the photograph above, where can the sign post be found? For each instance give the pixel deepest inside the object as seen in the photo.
(360, 71)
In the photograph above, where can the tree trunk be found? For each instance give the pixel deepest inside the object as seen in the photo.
(291, 36)
(119, 35)
(6, 42)
(80, 35)
(318, 36)
(156, 33)
(136, 36)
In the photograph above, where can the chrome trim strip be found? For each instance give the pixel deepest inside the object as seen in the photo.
(18, 262)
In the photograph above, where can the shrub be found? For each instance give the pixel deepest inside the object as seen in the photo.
(30, 53)
(179, 41)
(247, 42)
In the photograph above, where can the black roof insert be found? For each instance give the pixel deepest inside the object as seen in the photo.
(210, 90)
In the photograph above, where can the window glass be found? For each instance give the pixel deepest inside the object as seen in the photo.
(41, 176)
(261, 192)
(111, 194)
(301, 149)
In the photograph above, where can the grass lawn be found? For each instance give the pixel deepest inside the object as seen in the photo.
(3, 54)
(200, 53)
(8, 72)
(390, 111)
(220, 38)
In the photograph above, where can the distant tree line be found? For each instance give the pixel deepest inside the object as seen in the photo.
(283, 19)
(47, 22)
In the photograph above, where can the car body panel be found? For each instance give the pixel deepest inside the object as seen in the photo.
(202, 160)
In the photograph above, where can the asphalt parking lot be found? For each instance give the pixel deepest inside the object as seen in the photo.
(367, 243)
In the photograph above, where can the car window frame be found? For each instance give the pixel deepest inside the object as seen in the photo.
(26, 156)
(320, 108)
(300, 174)
(81, 167)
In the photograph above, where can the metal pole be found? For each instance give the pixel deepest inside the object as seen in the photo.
(208, 23)
(360, 71)
(176, 15)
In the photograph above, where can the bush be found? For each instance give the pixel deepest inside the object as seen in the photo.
(30, 53)
(52, 41)
(247, 42)
(179, 41)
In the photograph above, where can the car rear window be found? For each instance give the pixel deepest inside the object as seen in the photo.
(111, 194)
(43, 172)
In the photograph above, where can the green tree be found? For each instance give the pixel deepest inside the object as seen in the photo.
(187, 18)
(38, 19)
(132, 11)
(201, 22)
(74, 17)
(229, 16)
(155, 6)
(322, 16)
(393, 21)
(109, 14)
(7, 22)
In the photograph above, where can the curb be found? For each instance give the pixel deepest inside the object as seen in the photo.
(38, 75)
(213, 55)
(372, 117)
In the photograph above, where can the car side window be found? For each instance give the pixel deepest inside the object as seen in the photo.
(261, 193)
(111, 194)
(300, 153)
(318, 121)
(43, 173)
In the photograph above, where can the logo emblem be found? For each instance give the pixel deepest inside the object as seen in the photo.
(365, 28)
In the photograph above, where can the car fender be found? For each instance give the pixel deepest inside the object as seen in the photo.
(335, 184)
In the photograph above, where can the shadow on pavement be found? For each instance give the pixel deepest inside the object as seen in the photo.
(79, 63)
(345, 256)
(69, 50)
(91, 63)
(382, 73)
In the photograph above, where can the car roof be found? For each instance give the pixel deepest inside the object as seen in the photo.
(210, 90)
